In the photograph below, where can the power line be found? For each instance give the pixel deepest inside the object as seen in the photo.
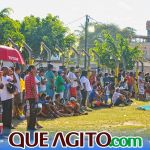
(95, 20)
(75, 20)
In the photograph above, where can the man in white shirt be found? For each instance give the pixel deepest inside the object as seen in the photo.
(118, 98)
(6, 99)
(85, 88)
(73, 81)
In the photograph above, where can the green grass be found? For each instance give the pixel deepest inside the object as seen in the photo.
(115, 120)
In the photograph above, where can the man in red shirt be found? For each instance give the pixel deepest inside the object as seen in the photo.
(31, 97)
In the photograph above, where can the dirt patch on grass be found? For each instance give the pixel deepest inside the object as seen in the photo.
(132, 123)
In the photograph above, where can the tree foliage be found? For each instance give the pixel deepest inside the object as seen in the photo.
(34, 30)
(49, 30)
(112, 29)
(116, 50)
(10, 28)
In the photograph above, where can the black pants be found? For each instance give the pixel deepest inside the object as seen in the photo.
(84, 97)
(33, 114)
(7, 113)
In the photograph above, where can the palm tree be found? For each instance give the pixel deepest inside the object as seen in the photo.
(6, 12)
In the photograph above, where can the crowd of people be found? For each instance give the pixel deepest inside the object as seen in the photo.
(52, 94)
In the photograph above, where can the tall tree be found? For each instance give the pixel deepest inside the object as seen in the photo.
(50, 30)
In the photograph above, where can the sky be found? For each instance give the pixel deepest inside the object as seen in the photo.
(124, 13)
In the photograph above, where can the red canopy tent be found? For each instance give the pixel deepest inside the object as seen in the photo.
(11, 55)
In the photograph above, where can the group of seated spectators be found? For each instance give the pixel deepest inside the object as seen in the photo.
(52, 94)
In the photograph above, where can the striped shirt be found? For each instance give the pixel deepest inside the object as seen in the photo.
(30, 87)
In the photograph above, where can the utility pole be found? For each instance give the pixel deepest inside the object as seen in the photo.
(86, 40)
(88, 57)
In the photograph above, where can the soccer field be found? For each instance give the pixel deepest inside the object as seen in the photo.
(116, 120)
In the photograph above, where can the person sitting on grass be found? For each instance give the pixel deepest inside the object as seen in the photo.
(42, 102)
(94, 99)
(75, 107)
(119, 98)
(64, 109)
(47, 108)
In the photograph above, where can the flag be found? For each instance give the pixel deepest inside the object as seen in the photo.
(41, 48)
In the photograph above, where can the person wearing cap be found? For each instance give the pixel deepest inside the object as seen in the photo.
(50, 88)
(60, 85)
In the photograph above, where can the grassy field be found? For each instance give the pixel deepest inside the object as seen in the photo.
(120, 120)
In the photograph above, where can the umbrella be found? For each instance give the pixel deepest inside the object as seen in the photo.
(11, 55)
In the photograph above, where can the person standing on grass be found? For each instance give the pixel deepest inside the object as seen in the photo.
(73, 81)
(42, 79)
(17, 98)
(31, 97)
(60, 85)
(86, 89)
(107, 92)
(92, 78)
(67, 84)
(141, 85)
(79, 95)
(106, 79)
(6, 99)
(130, 82)
(50, 88)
